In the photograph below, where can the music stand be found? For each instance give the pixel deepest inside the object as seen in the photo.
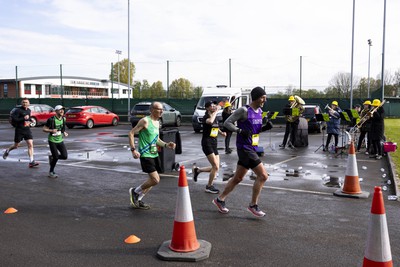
(271, 116)
(322, 117)
(345, 117)
(353, 114)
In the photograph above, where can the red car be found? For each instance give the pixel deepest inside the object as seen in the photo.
(90, 116)
(39, 113)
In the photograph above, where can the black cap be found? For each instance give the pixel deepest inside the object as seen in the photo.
(257, 92)
(209, 103)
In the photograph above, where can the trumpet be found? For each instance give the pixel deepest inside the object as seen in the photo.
(331, 109)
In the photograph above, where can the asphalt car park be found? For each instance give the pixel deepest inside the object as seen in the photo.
(83, 217)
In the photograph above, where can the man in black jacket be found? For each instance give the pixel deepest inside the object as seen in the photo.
(22, 119)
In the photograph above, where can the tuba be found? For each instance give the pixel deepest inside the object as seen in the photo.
(299, 102)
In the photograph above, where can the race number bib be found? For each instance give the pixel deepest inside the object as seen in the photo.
(153, 149)
(254, 139)
(214, 132)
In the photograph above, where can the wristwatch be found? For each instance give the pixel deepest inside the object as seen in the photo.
(133, 149)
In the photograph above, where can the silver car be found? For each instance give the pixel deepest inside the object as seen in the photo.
(170, 116)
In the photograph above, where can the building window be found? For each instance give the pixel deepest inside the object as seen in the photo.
(47, 89)
(5, 90)
(27, 89)
(38, 89)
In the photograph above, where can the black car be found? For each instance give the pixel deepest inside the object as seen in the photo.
(309, 114)
(170, 116)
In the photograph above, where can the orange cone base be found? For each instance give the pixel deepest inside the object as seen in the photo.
(340, 193)
(202, 253)
(184, 237)
(369, 263)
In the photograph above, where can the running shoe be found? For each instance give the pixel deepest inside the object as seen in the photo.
(134, 197)
(256, 211)
(378, 157)
(220, 205)
(53, 175)
(211, 189)
(282, 145)
(33, 164)
(195, 173)
(5, 154)
(143, 205)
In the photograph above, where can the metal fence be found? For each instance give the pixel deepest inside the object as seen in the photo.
(185, 106)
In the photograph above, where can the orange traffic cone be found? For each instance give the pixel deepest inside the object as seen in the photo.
(184, 235)
(377, 252)
(351, 187)
(184, 245)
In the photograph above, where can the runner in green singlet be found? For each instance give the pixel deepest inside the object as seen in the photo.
(148, 131)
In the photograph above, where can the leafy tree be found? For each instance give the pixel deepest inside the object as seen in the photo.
(181, 88)
(197, 91)
(157, 90)
(137, 85)
(123, 71)
(145, 90)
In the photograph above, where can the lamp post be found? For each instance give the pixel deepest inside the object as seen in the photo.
(383, 51)
(369, 62)
(118, 52)
(129, 66)
(352, 56)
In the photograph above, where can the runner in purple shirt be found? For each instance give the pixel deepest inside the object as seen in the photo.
(249, 126)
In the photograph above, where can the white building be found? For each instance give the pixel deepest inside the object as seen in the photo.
(72, 87)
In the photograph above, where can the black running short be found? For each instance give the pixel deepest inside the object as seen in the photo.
(248, 158)
(150, 165)
(22, 135)
(209, 149)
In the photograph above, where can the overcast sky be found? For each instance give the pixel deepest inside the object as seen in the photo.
(263, 38)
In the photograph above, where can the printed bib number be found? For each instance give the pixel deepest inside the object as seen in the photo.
(214, 132)
(57, 133)
(153, 149)
(254, 139)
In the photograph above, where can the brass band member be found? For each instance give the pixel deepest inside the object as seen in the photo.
(377, 128)
(292, 122)
(333, 125)
(365, 128)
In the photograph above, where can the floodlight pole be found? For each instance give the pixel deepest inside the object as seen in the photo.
(369, 65)
(129, 66)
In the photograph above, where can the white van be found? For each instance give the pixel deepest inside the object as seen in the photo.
(220, 94)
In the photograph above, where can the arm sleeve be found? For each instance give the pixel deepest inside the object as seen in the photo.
(239, 114)
(16, 116)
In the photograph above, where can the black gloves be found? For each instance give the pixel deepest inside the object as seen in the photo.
(245, 133)
(267, 126)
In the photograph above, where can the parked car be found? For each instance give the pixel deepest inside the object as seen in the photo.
(309, 114)
(170, 116)
(39, 113)
(90, 116)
